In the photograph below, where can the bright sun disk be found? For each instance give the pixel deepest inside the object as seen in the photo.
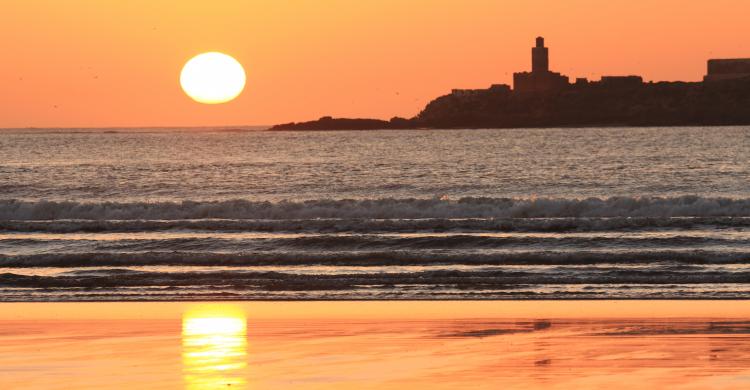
(212, 78)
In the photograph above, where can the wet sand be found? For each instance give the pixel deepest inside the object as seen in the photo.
(345, 345)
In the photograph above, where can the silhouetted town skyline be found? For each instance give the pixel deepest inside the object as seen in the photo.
(542, 79)
(544, 98)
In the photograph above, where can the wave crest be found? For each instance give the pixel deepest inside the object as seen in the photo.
(371, 258)
(387, 208)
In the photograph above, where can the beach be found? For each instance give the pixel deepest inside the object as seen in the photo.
(376, 344)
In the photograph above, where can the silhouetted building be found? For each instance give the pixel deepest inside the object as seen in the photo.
(540, 79)
(611, 101)
(727, 69)
(499, 88)
(621, 81)
(539, 57)
(465, 92)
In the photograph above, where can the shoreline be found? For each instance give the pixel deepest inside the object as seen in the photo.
(382, 309)
(520, 128)
(410, 299)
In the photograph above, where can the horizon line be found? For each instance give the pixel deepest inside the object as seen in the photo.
(169, 127)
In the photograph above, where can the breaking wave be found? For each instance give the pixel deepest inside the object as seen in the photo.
(329, 225)
(621, 247)
(331, 243)
(388, 208)
(278, 281)
(372, 258)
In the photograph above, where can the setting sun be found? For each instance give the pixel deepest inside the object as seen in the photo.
(212, 78)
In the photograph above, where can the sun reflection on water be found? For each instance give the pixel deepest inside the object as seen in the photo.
(214, 347)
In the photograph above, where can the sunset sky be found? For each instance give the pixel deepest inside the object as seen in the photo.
(107, 63)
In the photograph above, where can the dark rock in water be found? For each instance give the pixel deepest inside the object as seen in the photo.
(330, 123)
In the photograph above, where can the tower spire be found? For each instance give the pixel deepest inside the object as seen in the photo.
(539, 57)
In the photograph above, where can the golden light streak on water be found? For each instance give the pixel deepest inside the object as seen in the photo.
(214, 347)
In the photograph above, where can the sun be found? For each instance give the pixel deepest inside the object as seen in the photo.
(212, 78)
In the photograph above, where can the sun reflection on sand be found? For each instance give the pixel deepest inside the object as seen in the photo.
(214, 347)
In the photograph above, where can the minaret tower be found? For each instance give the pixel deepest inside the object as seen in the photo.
(540, 79)
(539, 57)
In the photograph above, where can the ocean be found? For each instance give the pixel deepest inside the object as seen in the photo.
(215, 214)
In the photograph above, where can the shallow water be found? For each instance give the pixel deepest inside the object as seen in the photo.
(416, 345)
(464, 214)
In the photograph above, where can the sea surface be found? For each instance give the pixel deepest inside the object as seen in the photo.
(169, 214)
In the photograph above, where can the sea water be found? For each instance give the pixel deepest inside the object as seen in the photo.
(181, 214)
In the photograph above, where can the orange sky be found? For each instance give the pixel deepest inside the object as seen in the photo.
(104, 63)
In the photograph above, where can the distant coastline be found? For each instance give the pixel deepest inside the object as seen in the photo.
(542, 98)
(330, 123)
